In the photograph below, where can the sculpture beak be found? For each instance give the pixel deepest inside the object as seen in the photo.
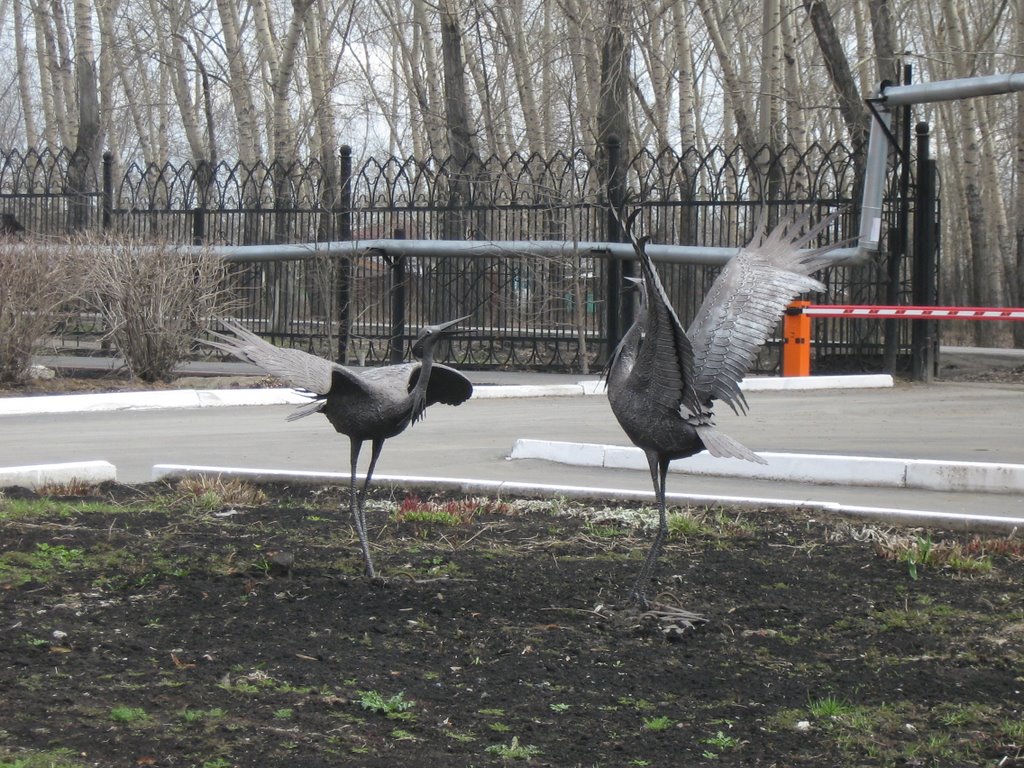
(445, 326)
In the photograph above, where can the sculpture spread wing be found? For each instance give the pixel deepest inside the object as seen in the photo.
(447, 386)
(746, 301)
(664, 365)
(300, 369)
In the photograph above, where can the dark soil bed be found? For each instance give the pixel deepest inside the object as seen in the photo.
(206, 626)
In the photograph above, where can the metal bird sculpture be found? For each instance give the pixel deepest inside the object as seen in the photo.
(662, 380)
(373, 404)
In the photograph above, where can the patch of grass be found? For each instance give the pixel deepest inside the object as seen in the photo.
(128, 715)
(73, 487)
(396, 707)
(827, 707)
(685, 523)
(40, 563)
(27, 509)
(211, 493)
(605, 530)
(640, 705)
(513, 750)
(661, 723)
(199, 715)
(446, 512)
(1013, 730)
(57, 758)
(920, 552)
(459, 736)
(721, 742)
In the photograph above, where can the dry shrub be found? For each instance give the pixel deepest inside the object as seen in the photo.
(226, 491)
(38, 281)
(155, 300)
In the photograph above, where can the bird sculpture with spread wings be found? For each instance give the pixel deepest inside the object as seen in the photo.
(663, 381)
(373, 404)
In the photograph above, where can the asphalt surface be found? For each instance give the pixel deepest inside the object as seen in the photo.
(976, 422)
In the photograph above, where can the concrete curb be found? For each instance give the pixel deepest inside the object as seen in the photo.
(143, 401)
(209, 398)
(823, 469)
(906, 517)
(34, 476)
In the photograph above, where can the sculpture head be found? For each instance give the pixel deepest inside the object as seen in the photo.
(429, 334)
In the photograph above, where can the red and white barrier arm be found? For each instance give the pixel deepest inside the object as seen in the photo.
(796, 327)
(912, 313)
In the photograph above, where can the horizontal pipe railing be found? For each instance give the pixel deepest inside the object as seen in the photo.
(679, 254)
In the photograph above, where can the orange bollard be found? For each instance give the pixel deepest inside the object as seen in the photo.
(796, 340)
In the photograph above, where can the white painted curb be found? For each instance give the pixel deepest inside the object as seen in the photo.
(143, 401)
(967, 476)
(910, 517)
(795, 383)
(34, 476)
(209, 398)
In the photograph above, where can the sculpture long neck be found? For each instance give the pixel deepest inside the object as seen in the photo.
(624, 357)
(418, 395)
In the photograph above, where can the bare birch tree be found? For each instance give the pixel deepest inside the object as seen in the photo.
(88, 141)
(1018, 190)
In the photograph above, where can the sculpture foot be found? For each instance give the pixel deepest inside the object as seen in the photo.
(670, 619)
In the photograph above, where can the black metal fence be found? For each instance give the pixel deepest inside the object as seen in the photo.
(526, 311)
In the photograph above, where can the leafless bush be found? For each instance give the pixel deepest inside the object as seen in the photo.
(38, 280)
(155, 299)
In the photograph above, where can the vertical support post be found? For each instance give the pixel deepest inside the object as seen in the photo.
(107, 213)
(203, 180)
(898, 245)
(796, 340)
(923, 339)
(616, 199)
(198, 225)
(343, 279)
(397, 351)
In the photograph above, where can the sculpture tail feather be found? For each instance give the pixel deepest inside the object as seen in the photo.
(307, 410)
(722, 446)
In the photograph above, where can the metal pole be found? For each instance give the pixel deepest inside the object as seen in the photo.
(923, 331)
(950, 90)
(395, 343)
(898, 245)
(343, 285)
(107, 215)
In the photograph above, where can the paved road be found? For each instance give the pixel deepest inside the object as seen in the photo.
(963, 422)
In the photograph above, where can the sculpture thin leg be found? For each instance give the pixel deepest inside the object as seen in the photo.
(355, 508)
(673, 619)
(361, 503)
(659, 469)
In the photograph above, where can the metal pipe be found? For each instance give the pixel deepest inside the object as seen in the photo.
(874, 182)
(948, 90)
(678, 254)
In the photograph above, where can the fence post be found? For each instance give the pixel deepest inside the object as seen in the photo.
(397, 350)
(202, 178)
(796, 340)
(900, 238)
(343, 285)
(107, 211)
(923, 332)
